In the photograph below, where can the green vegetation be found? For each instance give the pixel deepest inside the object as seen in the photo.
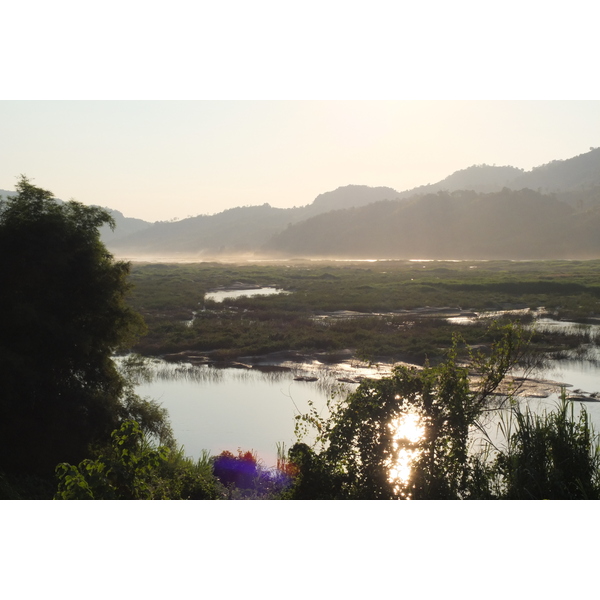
(408, 436)
(405, 436)
(167, 296)
(552, 455)
(364, 439)
(62, 316)
(133, 469)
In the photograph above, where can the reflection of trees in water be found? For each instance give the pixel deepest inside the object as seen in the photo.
(588, 332)
(327, 378)
(329, 385)
(187, 372)
(584, 358)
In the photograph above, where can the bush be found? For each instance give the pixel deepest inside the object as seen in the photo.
(549, 456)
(134, 469)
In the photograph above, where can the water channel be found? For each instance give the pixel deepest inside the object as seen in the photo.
(221, 295)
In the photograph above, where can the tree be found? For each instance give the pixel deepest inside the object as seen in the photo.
(62, 316)
(406, 436)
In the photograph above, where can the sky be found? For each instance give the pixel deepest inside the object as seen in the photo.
(164, 114)
(160, 160)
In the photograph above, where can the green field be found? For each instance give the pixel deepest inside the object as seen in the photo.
(167, 295)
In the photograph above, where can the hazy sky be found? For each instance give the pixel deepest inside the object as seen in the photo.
(158, 160)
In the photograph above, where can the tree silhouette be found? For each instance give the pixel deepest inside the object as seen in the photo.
(62, 315)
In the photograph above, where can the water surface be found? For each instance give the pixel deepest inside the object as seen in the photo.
(226, 409)
(220, 295)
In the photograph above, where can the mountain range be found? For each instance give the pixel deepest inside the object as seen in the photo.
(481, 212)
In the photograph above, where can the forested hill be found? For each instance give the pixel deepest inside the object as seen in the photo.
(562, 177)
(560, 219)
(478, 178)
(483, 211)
(552, 212)
(350, 196)
(507, 224)
(238, 230)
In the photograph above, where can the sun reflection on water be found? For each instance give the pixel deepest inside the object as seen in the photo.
(407, 430)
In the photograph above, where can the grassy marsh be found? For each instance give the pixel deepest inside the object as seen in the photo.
(171, 299)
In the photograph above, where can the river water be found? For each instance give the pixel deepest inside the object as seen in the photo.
(221, 295)
(226, 409)
(218, 409)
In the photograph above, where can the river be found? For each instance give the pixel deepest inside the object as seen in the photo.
(218, 409)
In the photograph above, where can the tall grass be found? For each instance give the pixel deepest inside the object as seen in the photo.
(548, 455)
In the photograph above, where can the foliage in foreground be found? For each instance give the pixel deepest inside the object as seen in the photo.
(408, 436)
(134, 469)
(243, 477)
(62, 317)
(404, 436)
(549, 455)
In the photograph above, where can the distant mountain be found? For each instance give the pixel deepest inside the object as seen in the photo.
(483, 211)
(478, 178)
(124, 226)
(459, 225)
(240, 230)
(579, 172)
(237, 230)
(351, 196)
(563, 177)
(357, 219)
